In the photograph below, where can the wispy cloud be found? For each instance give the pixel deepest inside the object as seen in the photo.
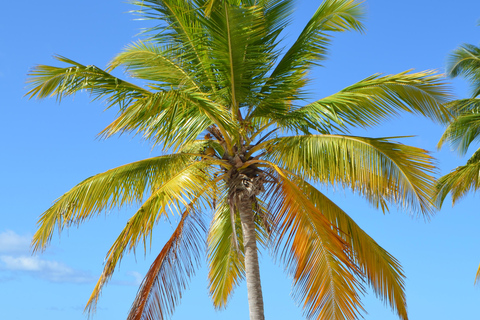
(10, 242)
(15, 261)
(50, 270)
(53, 271)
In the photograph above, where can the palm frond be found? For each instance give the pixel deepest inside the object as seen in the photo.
(161, 289)
(376, 98)
(226, 264)
(326, 280)
(114, 188)
(226, 259)
(378, 169)
(311, 45)
(465, 61)
(240, 53)
(460, 181)
(171, 195)
(173, 118)
(182, 29)
(289, 76)
(60, 82)
(457, 107)
(150, 62)
(382, 271)
(465, 127)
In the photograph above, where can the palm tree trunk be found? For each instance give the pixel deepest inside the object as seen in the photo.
(252, 270)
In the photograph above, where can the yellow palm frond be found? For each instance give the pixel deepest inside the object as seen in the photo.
(160, 65)
(173, 118)
(171, 195)
(114, 188)
(326, 279)
(226, 264)
(378, 97)
(48, 81)
(226, 259)
(460, 181)
(168, 276)
(382, 271)
(379, 169)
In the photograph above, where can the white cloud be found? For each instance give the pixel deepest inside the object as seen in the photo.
(10, 242)
(50, 270)
(23, 263)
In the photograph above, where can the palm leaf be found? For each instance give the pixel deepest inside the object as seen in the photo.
(226, 260)
(161, 290)
(54, 81)
(289, 76)
(183, 29)
(325, 278)
(465, 128)
(460, 181)
(382, 271)
(171, 195)
(374, 99)
(114, 188)
(477, 277)
(465, 61)
(311, 45)
(173, 118)
(240, 53)
(226, 264)
(378, 169)
(150, 62)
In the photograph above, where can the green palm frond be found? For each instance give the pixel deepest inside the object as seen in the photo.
(162, 65)
(460, 181)
(376, 98)
(161, 289)
(289, 76)
(465, 61)
(236, 48)
(378, 169)
(326, 281)
(226, 264)
(48, 81)
(171, 195)
(311, 45)
(114, 188)
(173, 118)
(182, 28)
(382, 271)
(457, 107)
(462, 131)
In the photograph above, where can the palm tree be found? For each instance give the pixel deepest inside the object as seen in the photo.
(463, 129)
(228, 108)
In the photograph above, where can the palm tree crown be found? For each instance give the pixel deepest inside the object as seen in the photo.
(464, 129)
(227, 105)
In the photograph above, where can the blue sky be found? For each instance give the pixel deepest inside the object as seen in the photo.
(47, 148)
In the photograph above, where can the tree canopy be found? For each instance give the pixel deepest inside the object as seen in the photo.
(215, 88)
